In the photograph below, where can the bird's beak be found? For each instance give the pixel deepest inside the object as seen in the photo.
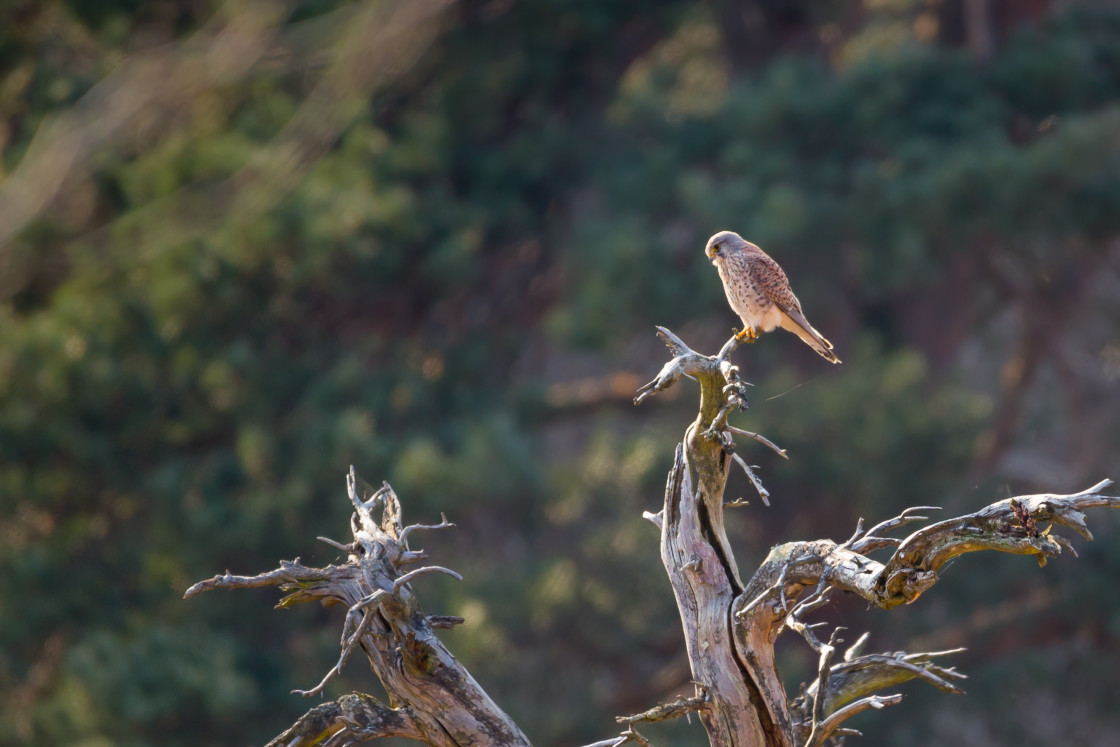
(712, 254)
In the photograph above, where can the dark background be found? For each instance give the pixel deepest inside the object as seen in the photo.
(245, 246)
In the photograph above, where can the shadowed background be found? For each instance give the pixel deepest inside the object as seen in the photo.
(245, 245)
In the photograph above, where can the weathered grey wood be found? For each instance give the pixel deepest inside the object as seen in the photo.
(730, 627)
(746, 701)
(432, 698)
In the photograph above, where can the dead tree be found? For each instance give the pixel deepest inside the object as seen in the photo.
(730, 626)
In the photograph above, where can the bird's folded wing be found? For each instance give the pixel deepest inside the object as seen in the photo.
(769, 277)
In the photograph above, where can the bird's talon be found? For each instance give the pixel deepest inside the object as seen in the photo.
(747, 334)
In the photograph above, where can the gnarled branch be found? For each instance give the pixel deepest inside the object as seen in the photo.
(440, 703)
(747, 705)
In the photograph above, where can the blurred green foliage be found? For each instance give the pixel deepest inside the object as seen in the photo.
(447, 299)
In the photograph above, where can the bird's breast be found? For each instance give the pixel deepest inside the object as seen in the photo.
(746, 298)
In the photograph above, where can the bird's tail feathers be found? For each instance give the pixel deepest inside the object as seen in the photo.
(799, 325)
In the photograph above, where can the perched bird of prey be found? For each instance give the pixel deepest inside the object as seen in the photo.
(759, 292)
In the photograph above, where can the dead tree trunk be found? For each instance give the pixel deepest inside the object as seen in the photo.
(746, 705)
(730, 627)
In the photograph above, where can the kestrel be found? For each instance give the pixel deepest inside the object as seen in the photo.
(759, 292)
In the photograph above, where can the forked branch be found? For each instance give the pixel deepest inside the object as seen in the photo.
(698, 558)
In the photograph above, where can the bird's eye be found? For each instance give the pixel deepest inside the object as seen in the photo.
(716, 247)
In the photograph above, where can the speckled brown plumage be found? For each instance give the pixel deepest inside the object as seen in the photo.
(759, 292)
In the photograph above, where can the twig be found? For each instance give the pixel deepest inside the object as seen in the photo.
(290, 572)
(777, 586)
(408, 557)
(794, 621)
(728, 445)
(857, 648)
(685, 360)
(762, 491)
(760, 438)
(667, 711)
(421, 571)
(830, 724)
(872, 540)
(348, 643)
(352, 490)
(337, 545)
(675, 344)
(630, 735)
(860, 676)
(443, 524)
(856, 535)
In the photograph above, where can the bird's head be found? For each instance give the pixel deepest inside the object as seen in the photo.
(723, 244)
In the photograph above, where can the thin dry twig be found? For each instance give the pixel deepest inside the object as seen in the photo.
(668, 711)
(630, 735)
(873, 539)
(829, 725)
(337, 545)
(443, 524)
(763, 493)
(760, 438)
(348, 643)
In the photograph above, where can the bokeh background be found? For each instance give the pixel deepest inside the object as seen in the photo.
(245, 245)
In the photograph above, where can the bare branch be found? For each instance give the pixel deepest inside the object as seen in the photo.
(612, 742)
(830, 724)
(763, 493)
(443, 524)
(675, 344)
(290, 574)
(914, 566)
(873, 541)
(667, 711)
(794, 621)
(688, 363)
(994, 527)
(335, 544)
(351, 719)
(348, 642)
(685, 362)
(406, 578)
(861, 676)
(857, 648)
(630, 735)
(761, 439)
(760, 612)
